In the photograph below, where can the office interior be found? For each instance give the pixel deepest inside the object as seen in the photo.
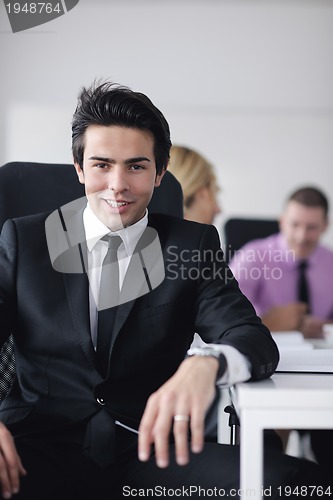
(248, 83)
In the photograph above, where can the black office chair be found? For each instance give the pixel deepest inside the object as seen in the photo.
(30, 188)
(238, 231)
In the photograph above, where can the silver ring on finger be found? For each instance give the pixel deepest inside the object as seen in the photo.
(181, 418)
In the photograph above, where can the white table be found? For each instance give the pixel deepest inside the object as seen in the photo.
(286, 401)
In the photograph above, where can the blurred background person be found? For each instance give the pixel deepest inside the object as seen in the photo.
(288, 276)
(197, 178)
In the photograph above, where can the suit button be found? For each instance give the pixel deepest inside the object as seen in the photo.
(101, 401)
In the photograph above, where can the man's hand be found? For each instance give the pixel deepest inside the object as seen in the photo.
(312, 327)
(11, 467)
(284, 318)
(188, 393)
(293, 317)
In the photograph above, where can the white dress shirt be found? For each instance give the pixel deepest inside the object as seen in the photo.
(238, 366)
(97, 250)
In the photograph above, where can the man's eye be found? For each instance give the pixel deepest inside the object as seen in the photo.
(101, 165)
(136, 167)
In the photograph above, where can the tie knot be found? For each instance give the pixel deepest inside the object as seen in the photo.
(303, 264)
(113, 242)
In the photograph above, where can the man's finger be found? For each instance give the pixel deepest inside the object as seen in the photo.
(146, 437)
(11, 467)
(181, 422)
(161, 431)
(197, 431)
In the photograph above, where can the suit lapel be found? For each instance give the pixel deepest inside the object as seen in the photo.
(77, 287)
(76, 282)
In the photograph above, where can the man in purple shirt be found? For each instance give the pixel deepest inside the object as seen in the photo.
(268, 270)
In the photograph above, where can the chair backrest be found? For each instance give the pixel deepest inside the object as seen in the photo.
(30, 188)
(239, 231)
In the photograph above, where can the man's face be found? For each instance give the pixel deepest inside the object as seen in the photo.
(119, 173)
(302, 226)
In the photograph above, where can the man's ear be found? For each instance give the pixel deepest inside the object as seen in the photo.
(79, 173)
(281, 222)
(326, 224)
(159, 177)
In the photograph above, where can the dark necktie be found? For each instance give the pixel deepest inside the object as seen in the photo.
(99, 441)
(108, 301)
(303, 285)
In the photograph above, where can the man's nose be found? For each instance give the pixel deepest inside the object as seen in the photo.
(301, 234)
(117, 181)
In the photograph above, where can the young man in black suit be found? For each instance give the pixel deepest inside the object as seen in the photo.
(84, 422)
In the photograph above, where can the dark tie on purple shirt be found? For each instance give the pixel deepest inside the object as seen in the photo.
(303, 284)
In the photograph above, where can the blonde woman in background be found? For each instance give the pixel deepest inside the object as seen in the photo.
(197, 178)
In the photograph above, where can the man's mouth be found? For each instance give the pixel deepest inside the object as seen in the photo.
(117, 204)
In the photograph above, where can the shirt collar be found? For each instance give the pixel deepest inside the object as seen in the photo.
(95, 230)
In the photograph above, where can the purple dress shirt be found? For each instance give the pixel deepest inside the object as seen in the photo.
(267, 273)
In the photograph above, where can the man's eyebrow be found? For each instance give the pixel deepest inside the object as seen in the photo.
(136, 159)
(101, 158)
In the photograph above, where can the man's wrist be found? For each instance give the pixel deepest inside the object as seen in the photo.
(210, 352)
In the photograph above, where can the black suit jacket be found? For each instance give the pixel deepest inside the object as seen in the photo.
(58, 382)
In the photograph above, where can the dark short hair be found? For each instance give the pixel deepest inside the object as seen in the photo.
(310, 197)
(112, 104)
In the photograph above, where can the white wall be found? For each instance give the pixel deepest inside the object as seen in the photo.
(246, 82)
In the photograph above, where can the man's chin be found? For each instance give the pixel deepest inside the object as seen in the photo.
(117, 221)
(303, 253)
(114, 223)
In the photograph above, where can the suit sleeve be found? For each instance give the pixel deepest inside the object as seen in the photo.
(8, 252)
(225, 316)
(242, 267)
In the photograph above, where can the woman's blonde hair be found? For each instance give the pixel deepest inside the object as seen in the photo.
(192, 170)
